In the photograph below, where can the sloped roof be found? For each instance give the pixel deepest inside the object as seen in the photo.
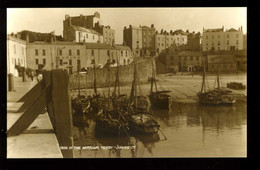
(121, 47)
(213, 30)
(198, 53)
(221, 59)
(82, 29)
(231, 30)
(98, 46)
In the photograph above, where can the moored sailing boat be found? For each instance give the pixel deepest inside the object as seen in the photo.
(80, 103)
(139, 121)
(159, 99)
(216, 96)
(110, 120)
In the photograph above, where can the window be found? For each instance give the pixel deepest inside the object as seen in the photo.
(14, 48)
(19, 61)
(36, 61)
(158, 44)
(191, 58)
(70, 61)
(218, 36)
(126, 53)
(44, 61)
(78, 52)
(137, 41)
(236, 41)
(227, 42)
(78, 64)
(172, 58)
(122, 53)
(206, 37)
(113, 61)
(61, 62)
(36, 52)
(162, 44)
(124, 61)
(185, 58)
(158, 38)
(212, 36)
(43, 52)
(70, 53)
(93, 37)
(108, 52)
(227, 36)
(92, 52)
(197, 58)
(218, 48)
(60, 52)
(218, 42)
(87, 35)
(237, 35)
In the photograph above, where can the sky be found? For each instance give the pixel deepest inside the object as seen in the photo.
(193, 19)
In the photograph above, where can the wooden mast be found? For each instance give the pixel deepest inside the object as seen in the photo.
(95, 81)
(203, 79)
(78, 80)
(218, 79)
(109, 81)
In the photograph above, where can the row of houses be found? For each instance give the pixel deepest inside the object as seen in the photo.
(86, 40)
(172, 60)
(63, 54)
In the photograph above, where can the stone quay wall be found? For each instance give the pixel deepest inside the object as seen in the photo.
(143, 67)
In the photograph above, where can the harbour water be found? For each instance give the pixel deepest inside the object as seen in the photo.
(191, 131)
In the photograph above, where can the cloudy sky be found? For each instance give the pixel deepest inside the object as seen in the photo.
(194, 19)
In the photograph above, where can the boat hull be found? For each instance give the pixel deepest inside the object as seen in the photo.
(148, 126)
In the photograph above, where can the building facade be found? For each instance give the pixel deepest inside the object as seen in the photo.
(148, 37)
(16, 54)
(80, 34)
(70, 55)
(107, 33)
(132, 37)
(221, 63)
(190, 61)
(85, 21)
(164, 39)
(218, 39)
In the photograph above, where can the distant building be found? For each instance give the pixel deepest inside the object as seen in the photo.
(169, 58)
(148, 39)
(70, 55)
(164, 39)
(16, 54)
(107, 33)
(193, 42)
(132, 37)
(221, 63)
(218, 39)
(80, 34)
(86, 21)
(190, 61)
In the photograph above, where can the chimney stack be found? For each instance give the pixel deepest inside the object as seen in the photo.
(152, 26)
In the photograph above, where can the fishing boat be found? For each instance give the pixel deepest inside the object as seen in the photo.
(107, 124)
(80, 103)
(158, 99)
(139, 121)
(110, 120)
(216, 96)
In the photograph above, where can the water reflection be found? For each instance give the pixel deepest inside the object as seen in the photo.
(191, 129)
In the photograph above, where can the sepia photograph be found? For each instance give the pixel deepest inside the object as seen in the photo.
(127, 82)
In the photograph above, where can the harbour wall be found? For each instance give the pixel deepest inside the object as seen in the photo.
(143, 68)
